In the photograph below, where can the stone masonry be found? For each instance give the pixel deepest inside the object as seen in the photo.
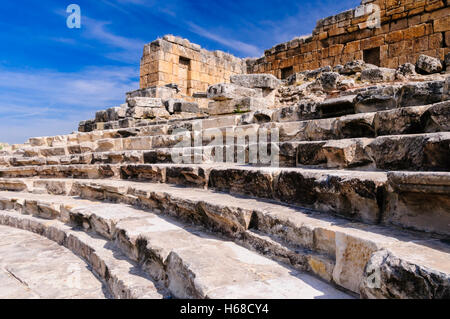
(331, 183)
(407, 29)
(193, 69)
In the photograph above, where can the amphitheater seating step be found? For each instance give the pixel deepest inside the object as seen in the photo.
(340, 248)
(120, 274)
(184, 259)
(372, 197)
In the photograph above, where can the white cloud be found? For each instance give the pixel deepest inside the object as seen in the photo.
(226, 40)
(46, 102)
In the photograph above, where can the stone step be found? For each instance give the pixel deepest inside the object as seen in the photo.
(185, 259)
(69, 276)
(370, 197)
(361, 252)
(121, 275)
(429, 152)
(408, 120)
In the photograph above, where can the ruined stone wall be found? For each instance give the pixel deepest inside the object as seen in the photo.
(172, 60)
(407, 29)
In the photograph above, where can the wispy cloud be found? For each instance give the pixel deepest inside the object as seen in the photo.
(226, 40)
(29, 98)
(122, 48)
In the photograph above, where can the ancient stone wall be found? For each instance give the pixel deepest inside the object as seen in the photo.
(407, 29)
(172, 60)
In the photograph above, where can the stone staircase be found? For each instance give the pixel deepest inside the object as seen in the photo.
(358, 207)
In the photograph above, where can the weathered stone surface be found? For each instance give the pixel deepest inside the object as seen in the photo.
(144, 102)
(355, 67)
(188, 107)
(227, 91)
(386, 276)
(261, 81)
(350, 244)
(159, 92)
(237, 106)
(101, 116)
(148, 113)
(311, 154)
(415, 94)
(347, 153)
(170, 104)
(356, 125)
(171, 253)
(116, 113)
(337, 106)
(446, 94)
(122, 279)
(407, 120)
(419, 200)
(428, 65)
(343, 195)
(419, 152)
(377, 99)
(436, 118)
(27, 274)
(405, 70)
(329, 81)
(377, 75)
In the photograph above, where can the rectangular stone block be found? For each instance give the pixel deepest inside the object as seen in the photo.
(145, 102)
(237, 106)
(228, 91)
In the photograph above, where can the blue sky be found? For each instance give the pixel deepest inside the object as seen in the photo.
(52, 77)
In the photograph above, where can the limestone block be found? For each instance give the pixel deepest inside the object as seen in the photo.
(311, 153)
(38, 141)
(53, 151)
(428, 65)
(170, 104)
(411, 152)
(106, 145)
(145, 102)
(188, 107)
(356, 125)
(329, 81)
(161, 92)
(337, 106)
(377, 75)
(422, 93)
(405, 70)
(228, 91)
(321, 129)
(116, 113)
(435, 119)
(392, 269)
(352, 256)
(347, 153)
(137, 143)
(262, 81)
(147, 113)
(419, 200)
(239, 105)
(377, 99)
(101, 116)
(356, 66)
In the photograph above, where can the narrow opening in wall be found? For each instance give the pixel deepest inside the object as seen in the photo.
(287, 72)
(184, 75)
(185, 61)
(372, 56)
